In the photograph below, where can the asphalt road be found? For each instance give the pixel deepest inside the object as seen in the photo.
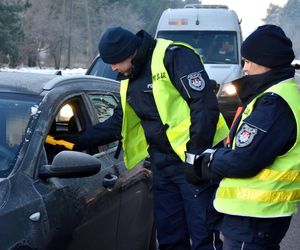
(292, 239)
(297, 76)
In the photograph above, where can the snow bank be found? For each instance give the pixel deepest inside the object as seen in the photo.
(77, 71)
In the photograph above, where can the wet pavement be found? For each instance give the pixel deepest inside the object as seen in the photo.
(292, 239)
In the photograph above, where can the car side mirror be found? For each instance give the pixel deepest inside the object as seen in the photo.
(71, 164)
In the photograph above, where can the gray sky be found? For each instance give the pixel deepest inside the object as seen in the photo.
(251, 11)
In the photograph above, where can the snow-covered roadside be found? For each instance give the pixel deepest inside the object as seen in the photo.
(77, 71)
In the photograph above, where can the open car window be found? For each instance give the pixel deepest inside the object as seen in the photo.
(104, 106)
(69, 120)
(72, 117)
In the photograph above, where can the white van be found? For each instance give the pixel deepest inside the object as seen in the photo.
(214, 31)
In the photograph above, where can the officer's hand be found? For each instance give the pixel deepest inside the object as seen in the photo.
(204, 162)
(192, 176)
(201, 171)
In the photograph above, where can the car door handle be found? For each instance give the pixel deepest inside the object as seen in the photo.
(109, 181)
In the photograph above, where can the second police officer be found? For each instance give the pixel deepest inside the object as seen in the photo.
(261, 188)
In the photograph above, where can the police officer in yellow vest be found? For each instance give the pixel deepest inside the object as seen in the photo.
(261, 188)
(168, 112)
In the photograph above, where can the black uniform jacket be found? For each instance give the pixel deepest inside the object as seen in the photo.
(272, 121)
(275, 132)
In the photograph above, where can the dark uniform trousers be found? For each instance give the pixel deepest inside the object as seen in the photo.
(267, 233)
(181, 203)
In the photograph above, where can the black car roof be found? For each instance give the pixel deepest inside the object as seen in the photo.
(19, 82)
(36, 83)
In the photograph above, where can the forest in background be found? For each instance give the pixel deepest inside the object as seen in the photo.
(65, 33)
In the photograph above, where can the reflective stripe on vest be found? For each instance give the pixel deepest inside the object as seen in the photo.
(133, 137)
(275, 191)
(167, 100)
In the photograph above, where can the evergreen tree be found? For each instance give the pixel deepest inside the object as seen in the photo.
(288, 18)
(273, 14)
(11, 33)
(290, 21)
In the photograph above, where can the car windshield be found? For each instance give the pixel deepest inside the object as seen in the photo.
(15, 113)
(100, 68)
(215, 47)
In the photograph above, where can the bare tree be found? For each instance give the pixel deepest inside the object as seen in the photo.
(44, 27)
(68, 31)
(119, 15)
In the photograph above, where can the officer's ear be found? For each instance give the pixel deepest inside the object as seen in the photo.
(134, 58)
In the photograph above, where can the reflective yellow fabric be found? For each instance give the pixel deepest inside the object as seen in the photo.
(249, 194)
(172, 108)
(133, 136)
(179, 121)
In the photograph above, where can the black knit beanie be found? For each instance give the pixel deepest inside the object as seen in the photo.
(117, 44)
(268, 46)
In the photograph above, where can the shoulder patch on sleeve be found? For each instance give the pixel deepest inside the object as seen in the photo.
(245, 136)
(196, 81)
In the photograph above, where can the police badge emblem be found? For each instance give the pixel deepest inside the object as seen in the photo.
(196, 81)
(245, 136)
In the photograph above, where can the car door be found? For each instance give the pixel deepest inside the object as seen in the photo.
(22, 214)
(97, 200)
(39, 212)
(97, 207)
(135, 190)
(23, 223)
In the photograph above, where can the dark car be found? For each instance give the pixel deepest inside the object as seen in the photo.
(53, 198)
(226, 94)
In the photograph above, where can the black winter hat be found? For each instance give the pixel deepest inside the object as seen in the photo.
(117, 44)
(268, 46)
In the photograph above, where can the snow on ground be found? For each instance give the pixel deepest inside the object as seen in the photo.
(77, 71)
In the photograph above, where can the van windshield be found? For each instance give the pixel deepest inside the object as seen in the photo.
(215, 47)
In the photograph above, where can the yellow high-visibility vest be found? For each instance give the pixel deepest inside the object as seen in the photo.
(274, 191)
(172, 108)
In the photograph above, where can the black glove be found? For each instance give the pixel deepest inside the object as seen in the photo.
(200, 171)
(191, 176)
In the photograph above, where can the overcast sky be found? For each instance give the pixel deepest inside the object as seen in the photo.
(251, 11)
